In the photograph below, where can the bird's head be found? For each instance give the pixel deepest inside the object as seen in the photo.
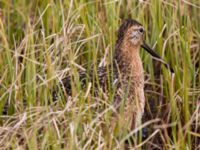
(131, 33)
(131, 37)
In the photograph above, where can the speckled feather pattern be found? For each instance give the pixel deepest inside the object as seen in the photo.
(125, 77)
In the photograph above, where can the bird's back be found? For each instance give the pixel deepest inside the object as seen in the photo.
(102, 79)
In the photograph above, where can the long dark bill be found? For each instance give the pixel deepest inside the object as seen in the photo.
(150, 51)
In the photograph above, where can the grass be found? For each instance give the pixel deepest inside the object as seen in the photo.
(41, 41)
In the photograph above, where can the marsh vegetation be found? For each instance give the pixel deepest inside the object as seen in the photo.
(42, 41)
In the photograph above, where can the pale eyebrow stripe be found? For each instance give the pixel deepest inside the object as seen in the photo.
(137, 27)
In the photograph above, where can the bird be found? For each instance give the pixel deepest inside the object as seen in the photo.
(124, 76)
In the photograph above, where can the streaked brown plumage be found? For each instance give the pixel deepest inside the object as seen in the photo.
(125, 76)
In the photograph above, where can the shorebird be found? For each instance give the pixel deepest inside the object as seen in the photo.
(125, 76)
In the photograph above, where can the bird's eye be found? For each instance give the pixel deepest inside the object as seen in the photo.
(141, 30)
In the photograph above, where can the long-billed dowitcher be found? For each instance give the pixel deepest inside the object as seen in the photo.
(125, 77)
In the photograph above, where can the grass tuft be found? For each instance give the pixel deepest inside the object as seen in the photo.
(42, 41)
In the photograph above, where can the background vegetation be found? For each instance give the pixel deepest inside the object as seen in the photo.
(42, 41)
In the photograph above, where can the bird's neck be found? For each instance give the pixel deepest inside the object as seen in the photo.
(128, 61)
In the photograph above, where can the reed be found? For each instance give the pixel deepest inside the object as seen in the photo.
(42, 41)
